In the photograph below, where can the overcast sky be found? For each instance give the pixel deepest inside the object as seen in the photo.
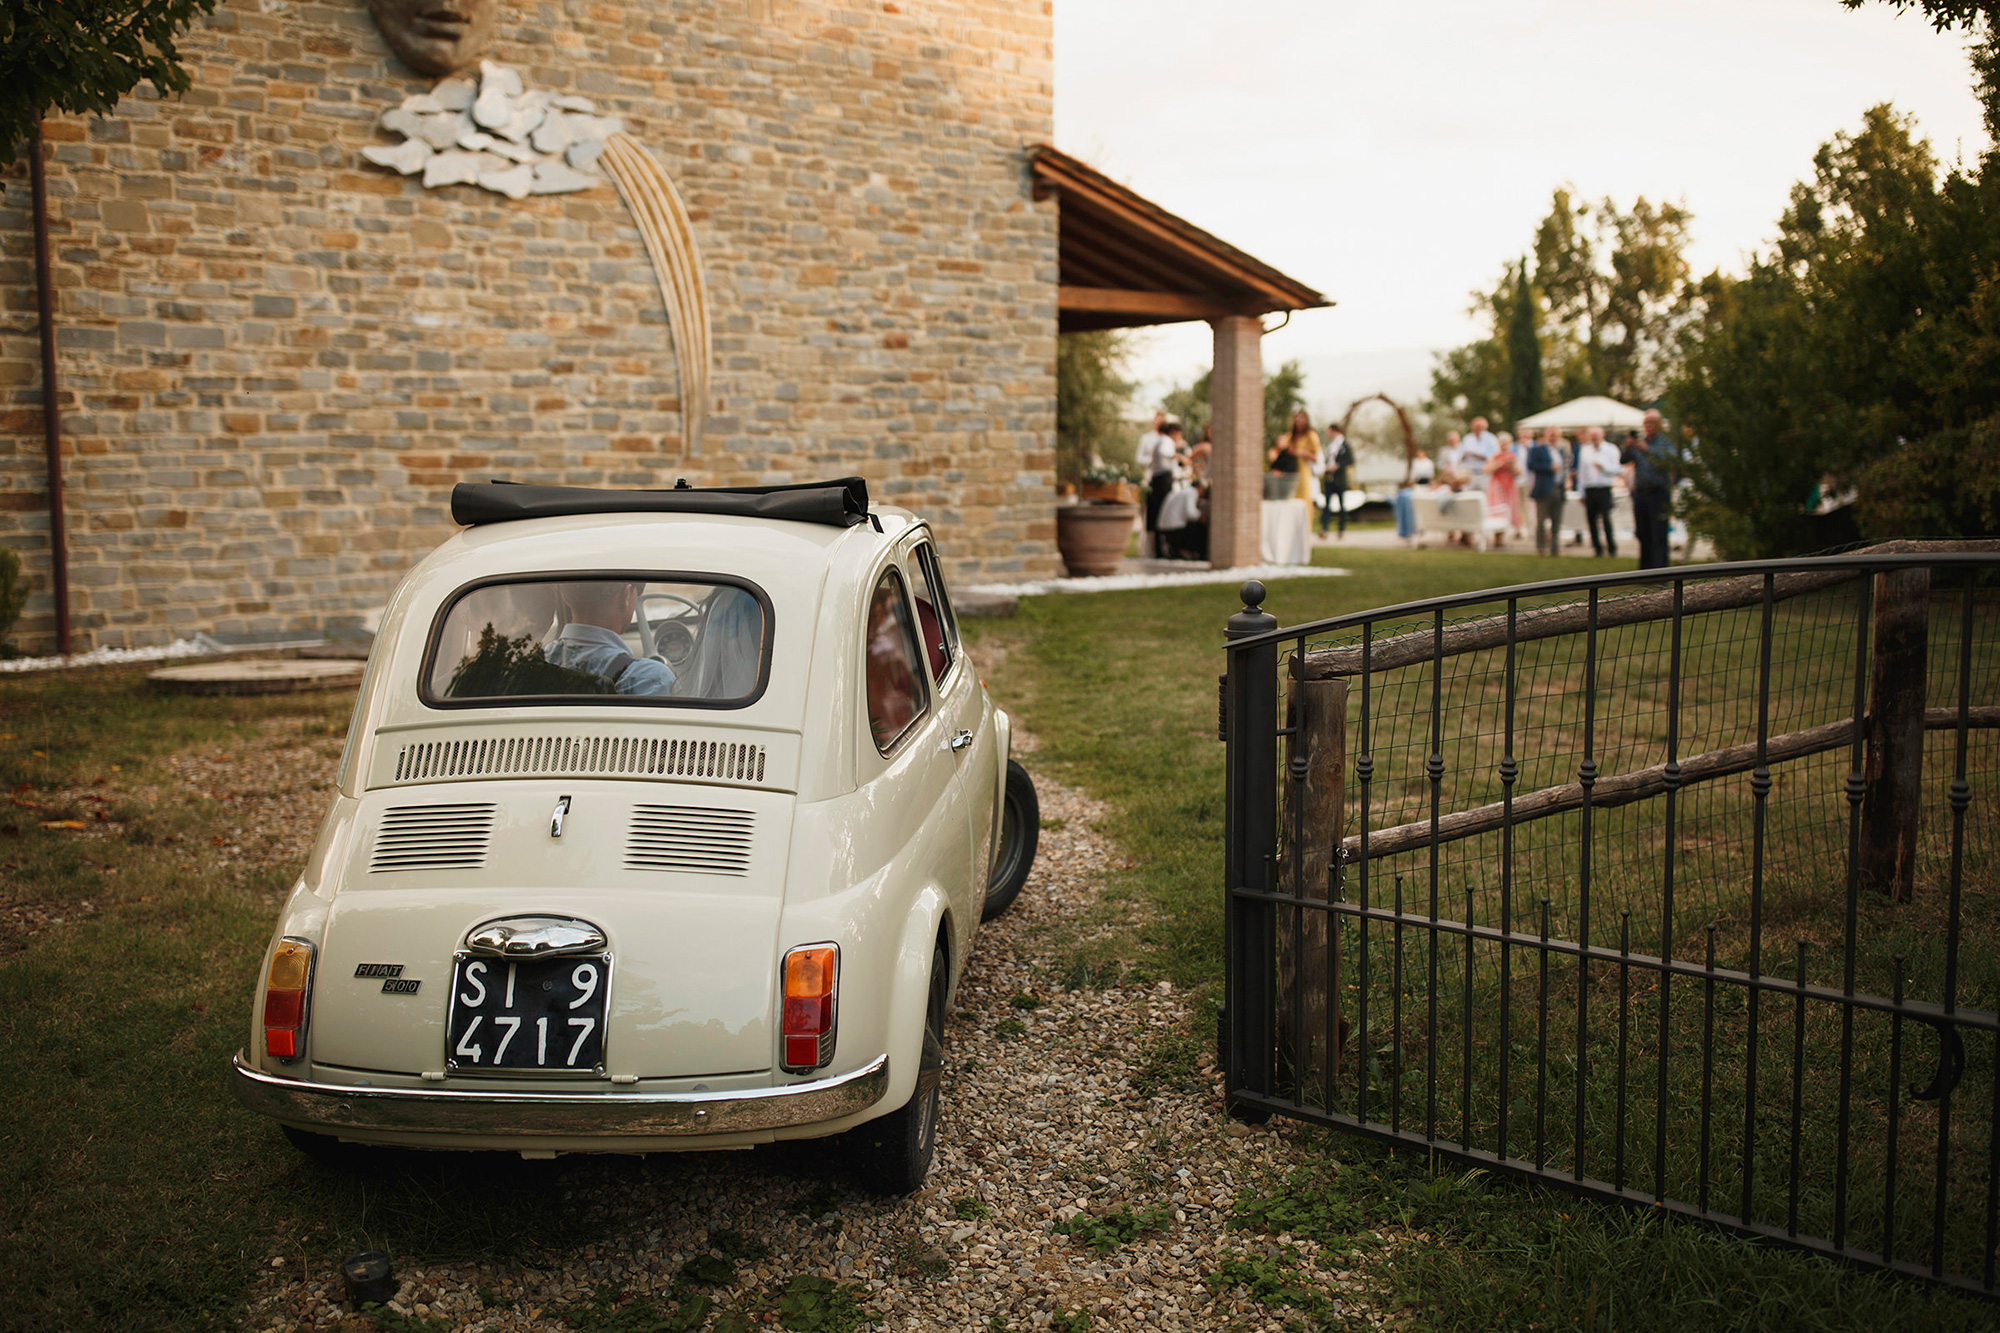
(1395, 155)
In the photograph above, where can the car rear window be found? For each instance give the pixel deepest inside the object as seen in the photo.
(602, 638)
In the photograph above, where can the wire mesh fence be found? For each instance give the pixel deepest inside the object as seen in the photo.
(1679, 888)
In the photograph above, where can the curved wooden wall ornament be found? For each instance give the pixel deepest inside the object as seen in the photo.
(663, 223)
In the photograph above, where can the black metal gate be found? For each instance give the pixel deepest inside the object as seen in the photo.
(1679, 888)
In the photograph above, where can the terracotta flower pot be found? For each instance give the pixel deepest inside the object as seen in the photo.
(1092, 537)
(1116, 492)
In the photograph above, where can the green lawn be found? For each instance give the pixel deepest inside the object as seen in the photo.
(137, 1195)
(134, 1193)
(1119, 689)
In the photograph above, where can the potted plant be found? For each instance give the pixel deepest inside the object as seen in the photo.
(1092, 534)
(1116, 483)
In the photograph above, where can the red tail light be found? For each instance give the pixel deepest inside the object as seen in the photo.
(812, 985)
(287, 989)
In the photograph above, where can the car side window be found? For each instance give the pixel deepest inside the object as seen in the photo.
(934, 618)
(896, 694)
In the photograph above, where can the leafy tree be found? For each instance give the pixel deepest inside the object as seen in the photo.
(1473, 380)
(1861, 352)
(1610, 289)
(1978, 18)
(81, 56)
(1524, 352)
(1189, 403)
(1091, 396)
(1284, 394)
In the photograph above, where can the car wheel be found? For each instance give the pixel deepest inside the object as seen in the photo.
(892, 1154)
(1020, 834)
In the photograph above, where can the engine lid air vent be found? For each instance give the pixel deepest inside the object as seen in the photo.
(433, 837)
(689, 839)
(582, 756)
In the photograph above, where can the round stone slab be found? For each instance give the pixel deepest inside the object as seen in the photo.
(258, 675)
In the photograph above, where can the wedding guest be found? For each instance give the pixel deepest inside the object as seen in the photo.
(1655, 466)
(1164, 455)
(1476, 450)
(1183, 530)
(1545, 466)
(1335, 478)
(1151, 438)
(1420, 474)
(1503, 491)
(1291, 456)
(1597, 467)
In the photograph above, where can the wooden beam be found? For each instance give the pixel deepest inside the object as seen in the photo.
(1574, 617)
(1192, 242)
(1625, 788)
(1183, 305)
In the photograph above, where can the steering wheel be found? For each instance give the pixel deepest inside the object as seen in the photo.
(647, 641)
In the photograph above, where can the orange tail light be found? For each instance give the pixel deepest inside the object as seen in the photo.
(287, 991)
(812, 985)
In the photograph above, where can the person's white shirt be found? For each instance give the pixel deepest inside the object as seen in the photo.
(1598, 465)
(1475, 451)
(1147, 443)
(1181, 507)
(1159, 458)
(1448, 458)
(1422, 471)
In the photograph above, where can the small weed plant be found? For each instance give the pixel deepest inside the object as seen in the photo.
(1107, 1232)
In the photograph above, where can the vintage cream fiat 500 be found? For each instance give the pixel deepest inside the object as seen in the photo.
(667, 820)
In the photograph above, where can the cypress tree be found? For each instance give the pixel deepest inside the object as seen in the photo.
(1524, 352)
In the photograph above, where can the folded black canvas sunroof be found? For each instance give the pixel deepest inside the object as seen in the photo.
(841, 502)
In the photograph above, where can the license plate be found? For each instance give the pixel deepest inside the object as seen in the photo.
(528, 1014)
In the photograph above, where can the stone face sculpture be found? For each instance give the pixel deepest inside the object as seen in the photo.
(498, 135)
(436, 36)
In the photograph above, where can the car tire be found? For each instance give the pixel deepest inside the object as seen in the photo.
(892, 1154)
(1020, 834)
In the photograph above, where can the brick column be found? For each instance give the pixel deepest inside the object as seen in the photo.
(1236, 515)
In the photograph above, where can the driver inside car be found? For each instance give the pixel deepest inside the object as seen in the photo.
(599, 610)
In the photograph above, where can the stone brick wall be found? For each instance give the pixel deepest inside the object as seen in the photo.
(276, 359)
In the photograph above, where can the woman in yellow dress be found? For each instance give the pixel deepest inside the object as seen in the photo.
(1295, 452)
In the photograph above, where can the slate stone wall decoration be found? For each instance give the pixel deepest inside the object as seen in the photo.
(494, 133)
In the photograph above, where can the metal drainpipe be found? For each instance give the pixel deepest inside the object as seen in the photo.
(51, 409)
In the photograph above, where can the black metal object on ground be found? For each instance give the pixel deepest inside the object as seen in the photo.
(1600, 910)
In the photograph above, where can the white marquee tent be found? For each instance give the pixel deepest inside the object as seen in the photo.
(1580, 412)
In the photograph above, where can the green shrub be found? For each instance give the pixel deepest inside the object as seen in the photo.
(13, 591)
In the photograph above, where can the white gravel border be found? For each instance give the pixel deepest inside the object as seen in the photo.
(1126, 582)
(111, 656)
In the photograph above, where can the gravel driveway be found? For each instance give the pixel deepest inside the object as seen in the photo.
(1043, 1127)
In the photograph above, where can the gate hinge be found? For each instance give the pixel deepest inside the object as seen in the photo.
(1222, 707)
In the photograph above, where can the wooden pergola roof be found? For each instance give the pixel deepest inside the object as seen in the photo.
(1125, 261)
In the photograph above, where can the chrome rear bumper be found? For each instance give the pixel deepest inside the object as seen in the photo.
(571, 1115)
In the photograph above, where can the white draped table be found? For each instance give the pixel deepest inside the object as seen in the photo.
(1287, 532)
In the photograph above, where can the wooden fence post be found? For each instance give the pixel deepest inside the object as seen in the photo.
(1308, 949)
(1894, 767)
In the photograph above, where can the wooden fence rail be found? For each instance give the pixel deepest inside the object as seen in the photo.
(1625, 788)
(1574, 618)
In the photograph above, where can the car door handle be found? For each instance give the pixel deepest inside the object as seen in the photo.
(960, 739)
